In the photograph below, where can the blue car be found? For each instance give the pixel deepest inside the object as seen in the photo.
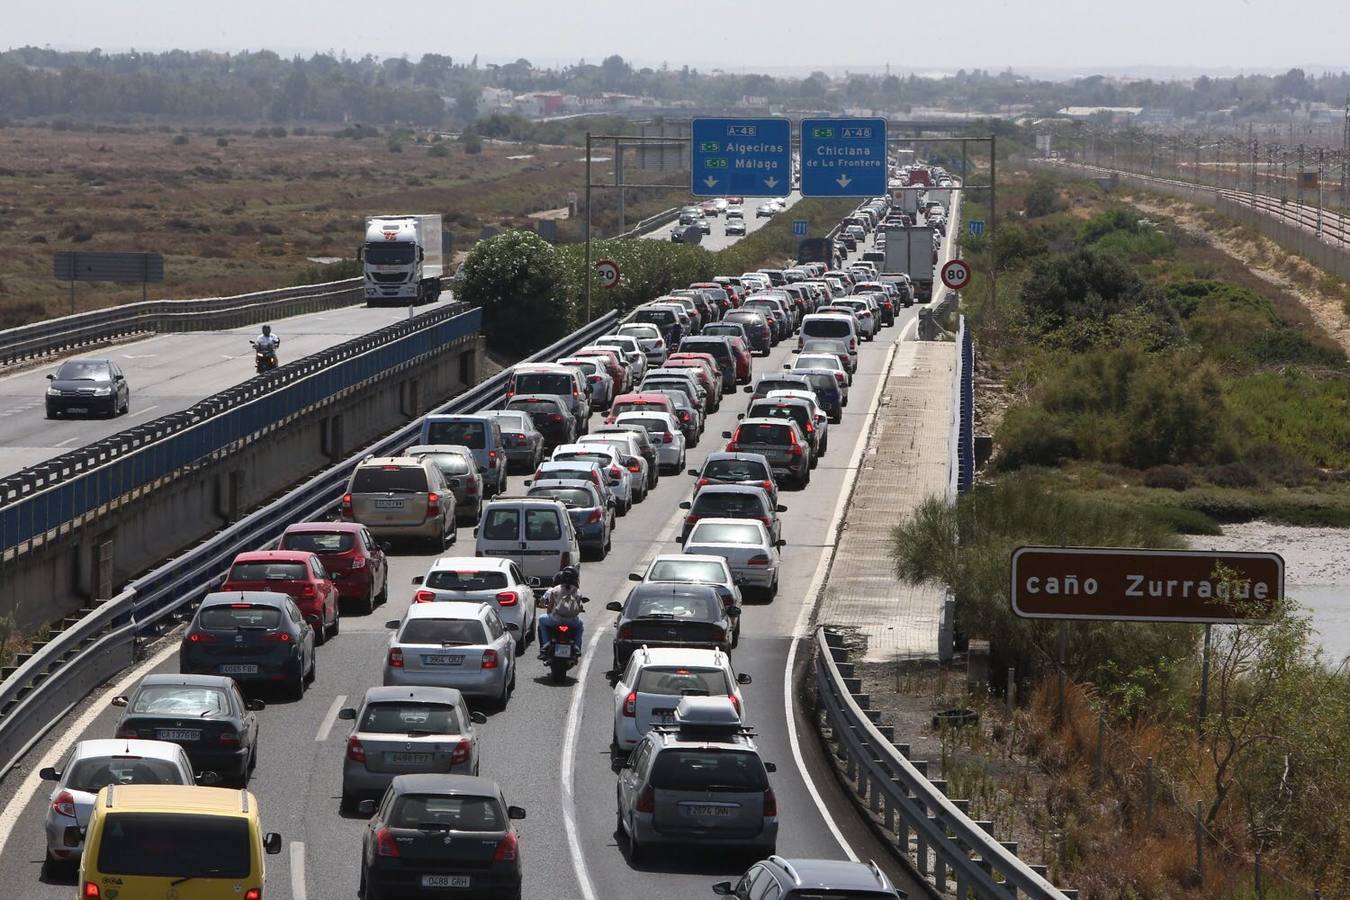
(591, 514)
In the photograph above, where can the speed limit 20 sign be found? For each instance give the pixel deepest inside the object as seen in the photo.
(608, 270)
(955, 274)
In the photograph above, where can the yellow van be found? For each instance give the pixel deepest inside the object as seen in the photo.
(182, 842)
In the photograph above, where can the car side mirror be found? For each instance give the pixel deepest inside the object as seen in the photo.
(272, 843)
(748, 389)
(780, 543)
(511, 626)
(49, 774)
(477, 718)
(386, 547)
(51, 376)
(392, 623)
(534, 581)
(786, 366)
(634, 576)
(254, 705)
(733, 611)
(528, 482)
(120, 701)
(727, 435)
(347, 713)
(475, 531)
(685, 504)
(739, 416)
(743, 678)
(206, 779)
(723, 889)
(366, 807)
(515, 812)
(119, 378)
(694, 472)
(417, 579)
(614, 606)
(782, 509)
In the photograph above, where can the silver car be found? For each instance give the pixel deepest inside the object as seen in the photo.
(664, 431)
(453, 644)
(612, 467)
(523, 442)
(597, 379)
(92, 766)
(631, 349)
(745, 545)
(630, 456)
(649, 339)
(461, 473)
(404, 731)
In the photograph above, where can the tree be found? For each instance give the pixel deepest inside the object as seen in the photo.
(514, 277)
(1043, 197)
(1085, 285)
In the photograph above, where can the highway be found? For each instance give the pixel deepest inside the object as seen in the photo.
(718, 238)
(550, 747)
(167, 373)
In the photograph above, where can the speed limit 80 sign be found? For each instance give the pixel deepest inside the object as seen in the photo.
(608, 270)
(955, 274)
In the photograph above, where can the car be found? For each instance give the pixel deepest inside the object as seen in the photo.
(777, 381)
(710, 208)
(733, 501)
(782, 442)
(617, 366)
(481, 434)
(690, 568)
(642, 401)
(533, 532)
(766, 211)
(401, 498)
(206, 715)
(350, 555)
(715, 349)
(746, 547)
(524, 445)
(831, 361)
(404, 731)
(630, 457)
(641, 440)
(612, 467)
(649, 338)
(866, 316)
(705, 371)
(598, 380)
(780, 324)
(255, 637)
(700, 781)
(756, 326)
(453, 644)
(721, 204)
(830, 388)
(664, 431)
(735, 226)
(582, 470)
(736, 468)
(592, 516)
(671, 615)
(451, 834)
(838, 347)
(801, 408)
(461, 474)
(498, 583)
(811, 879)
(295, 573)
(686, 412)
(632, 350)
(550, 417)
(87, 386)
(685, 380)
(655, 679)
(93, 765)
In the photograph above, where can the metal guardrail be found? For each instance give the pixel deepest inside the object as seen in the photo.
(81, 329)
(651, 223)
(946, 840)
(97, 646)
(53, 496)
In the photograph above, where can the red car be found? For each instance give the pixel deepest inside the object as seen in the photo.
(349, 553)
(637, 402)
(742, 354)
(616, 364)
(294, 572)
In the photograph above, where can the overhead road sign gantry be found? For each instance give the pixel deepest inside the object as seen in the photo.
(750, 157)
(843, 157)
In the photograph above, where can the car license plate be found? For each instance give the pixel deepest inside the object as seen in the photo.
(78, 409)
(445, 881)
(240, 669)
(177, 734)
(407, 759)
(442, 659)
(388, 504)
(664, 716)
(707, 811)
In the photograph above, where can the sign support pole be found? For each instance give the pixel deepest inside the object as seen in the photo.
(1063, 652)
(586, 272)
(993, 220)
(74, 271)
(1204, 682)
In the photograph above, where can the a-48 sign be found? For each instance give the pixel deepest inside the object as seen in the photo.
(1145, 585)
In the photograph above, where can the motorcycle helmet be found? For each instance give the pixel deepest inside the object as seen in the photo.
(267, 329)
(568, 576)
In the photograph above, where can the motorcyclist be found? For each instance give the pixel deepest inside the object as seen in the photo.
(562, 603)
(266, 344)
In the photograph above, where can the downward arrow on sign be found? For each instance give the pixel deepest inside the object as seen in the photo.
(843, 181)
(771, 183)
(710, 181)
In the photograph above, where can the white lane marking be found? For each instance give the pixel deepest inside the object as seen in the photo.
(330, 718)
(298, 871)
(10, 815)
(68, 441)
(141, 412)
(139, 355)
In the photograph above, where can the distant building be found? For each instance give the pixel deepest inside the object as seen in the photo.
(1155, 117)
(1119, 115)
(493, 100)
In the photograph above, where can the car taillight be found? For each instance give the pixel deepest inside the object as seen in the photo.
(127, 731)
(471, 488)
(565, 560)
(795, 450)
(625, 632)
(507, 598)
(346, 506)
(507, 848)
(64, 805)
(646, 801)
(760, 560)
(732, 447)
(253, 894)
(307, 590)
(767, 485)
(594, 517)
(839, 377)
(395, 658)
(424, 596)
(667, 438)
(278, 637)
(704, 482)
(592, 378)
(718, 634)
(492, 456)
(489, 659)
(810, 428)
(202, 637)
(358, 562)
(634, 466)
(735, 703)
(433, 503)
(228, 739)
(629, 705)
(768, 522)
(90, 891)
(355, 751)
(555, 418)
(852, 344)
(460, 754)
(385, 845)
(770, 803)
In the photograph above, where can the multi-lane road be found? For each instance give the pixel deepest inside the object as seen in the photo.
(718, 239)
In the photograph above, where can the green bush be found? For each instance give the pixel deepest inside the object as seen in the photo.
(473, 143)
(1308, 417)
(1173, 478)
(515, 277)
(1043, 197)
(1084, 285)
(440, 151)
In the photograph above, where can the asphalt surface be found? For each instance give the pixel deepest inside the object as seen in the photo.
(167, 373)
(525, 747)
(718, 239)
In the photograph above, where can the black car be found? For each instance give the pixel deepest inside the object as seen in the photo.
(756, 325)
(255, 637)
(672, 615)
(88, 386)
(441, 835)
(719, 348)
(206, 715)
(551, 418)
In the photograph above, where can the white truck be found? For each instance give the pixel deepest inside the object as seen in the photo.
(909, 251)
(907, 199)
(402, 260)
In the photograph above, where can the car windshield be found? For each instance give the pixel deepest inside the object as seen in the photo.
(269, 571)
(449, 463)
(709, 770)
(544, 383)
(389, 479)
(84, 371)
(467, 434)
(762, 434)
(822, 381)
(603, 459)
(828, 328)
(818, 361)
(175, 845)
(695, 571)
(559, 473)
(572, 498)
(652, 426)
(400, 253)
(180, 700)
(241, 615)
(640, 331)
(445, 632)
(712, 504)
(659, 316)
(799, 414)
(631, 405)
(449, 813)
(678, 606)
(537, 408)
(318, 541)
(718, 533)
(735, 470)
(446, 580)
(511, 420)
(671, 681)
(97, 772)
(407, 717)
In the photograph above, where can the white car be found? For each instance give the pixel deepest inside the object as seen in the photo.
(632, 350)
(664, 431)
(94, 765)
(630, 456)
(483, 579)
(691, 568)
(611, 465)
(656, 679)
(746, 545)
(453, 644)
(649, 339)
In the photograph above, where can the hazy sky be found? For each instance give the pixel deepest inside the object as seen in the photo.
(729, 34)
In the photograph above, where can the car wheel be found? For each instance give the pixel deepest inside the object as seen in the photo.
(313, 667)
(320, 635)
(367, 606)
(337, 624)
(773, 588)
(297, 689)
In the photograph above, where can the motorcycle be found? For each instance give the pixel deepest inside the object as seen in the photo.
(564, 651)
(264, 358)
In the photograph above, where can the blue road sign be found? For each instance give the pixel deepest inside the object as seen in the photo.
(750, 157)
(976, 227)
(843, 157)
(799, 227)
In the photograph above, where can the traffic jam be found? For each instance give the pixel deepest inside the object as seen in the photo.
(511, 506)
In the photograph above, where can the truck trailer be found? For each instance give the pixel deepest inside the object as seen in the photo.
(401, 260)
(909, 251)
